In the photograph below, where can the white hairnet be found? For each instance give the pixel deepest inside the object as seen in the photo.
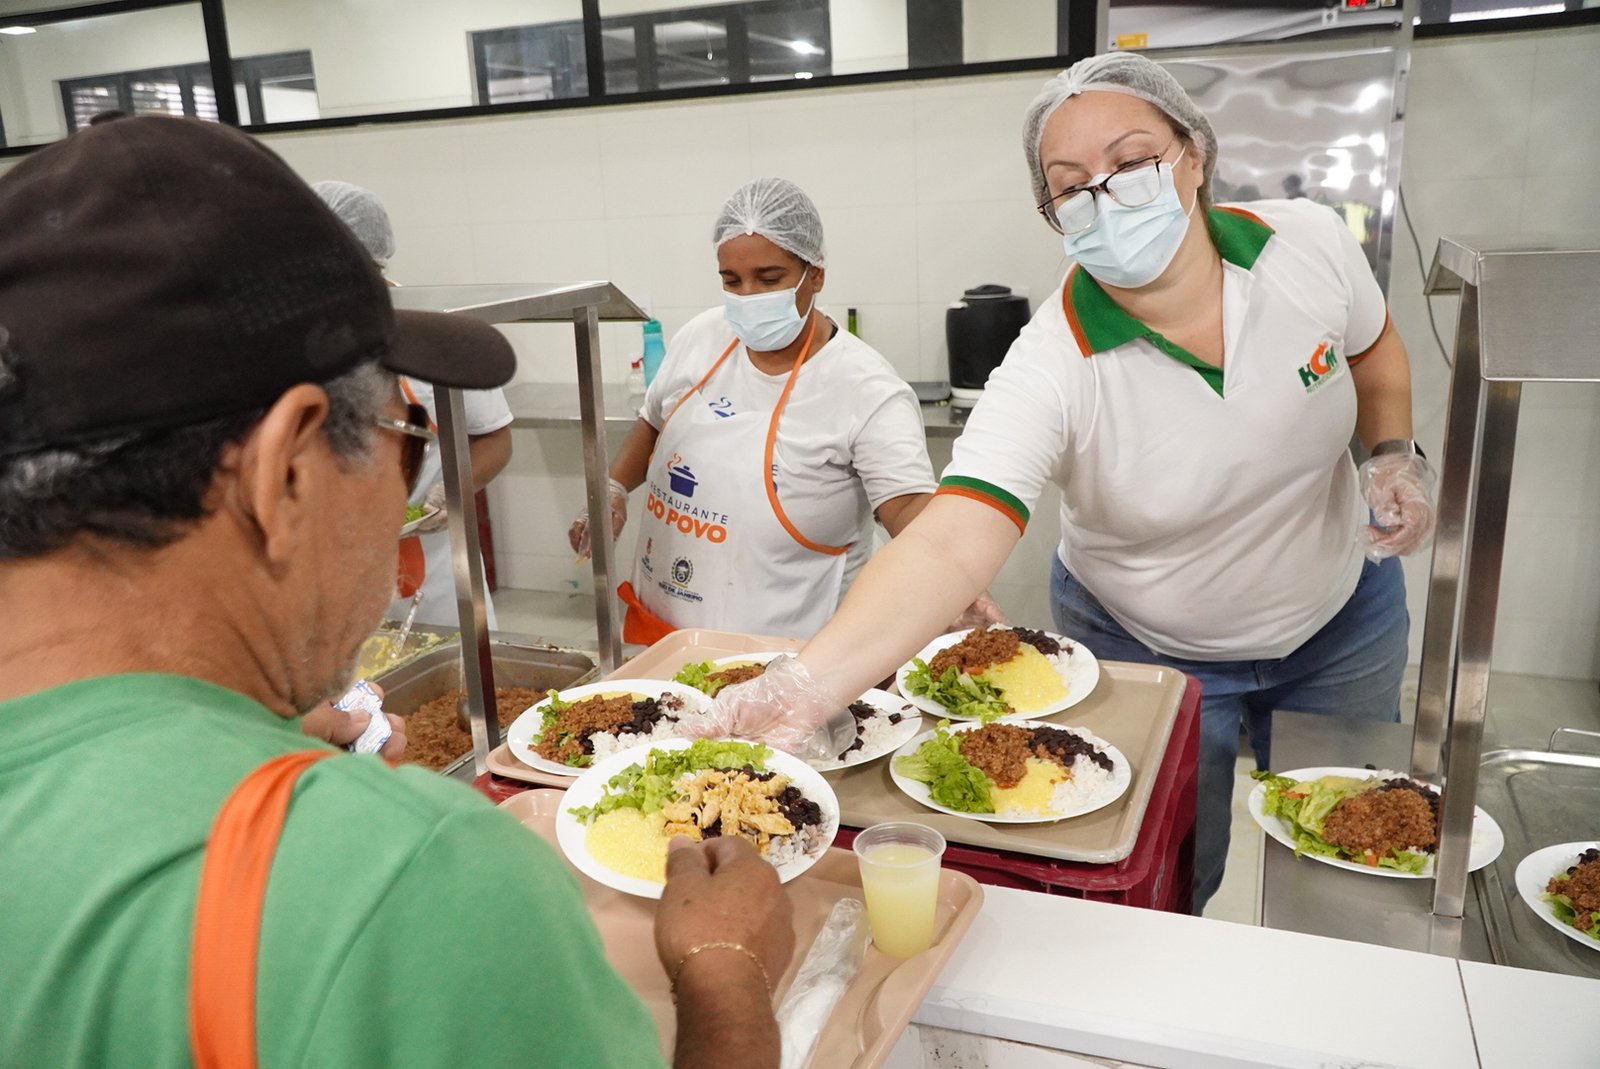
(1115, 72)
(363, 213)
(779, 211)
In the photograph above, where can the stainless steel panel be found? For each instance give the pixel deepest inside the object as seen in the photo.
(532, 302)
(608, 634)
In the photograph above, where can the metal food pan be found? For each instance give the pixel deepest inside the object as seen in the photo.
(518, 662)
(1540, 798)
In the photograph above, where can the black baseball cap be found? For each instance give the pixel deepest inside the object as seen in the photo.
(156, 272)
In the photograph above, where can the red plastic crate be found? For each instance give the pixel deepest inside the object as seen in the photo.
(1158, 874)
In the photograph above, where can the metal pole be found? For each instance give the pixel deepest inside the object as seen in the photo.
(1442, 620)
(591, 407)
(477, 664)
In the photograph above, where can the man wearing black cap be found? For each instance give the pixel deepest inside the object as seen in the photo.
(204, 461)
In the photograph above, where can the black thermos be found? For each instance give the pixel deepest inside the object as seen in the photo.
(978, 329)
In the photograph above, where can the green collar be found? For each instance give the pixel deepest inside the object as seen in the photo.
(1099, 323)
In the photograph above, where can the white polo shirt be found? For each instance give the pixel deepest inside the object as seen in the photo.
(1213, 511)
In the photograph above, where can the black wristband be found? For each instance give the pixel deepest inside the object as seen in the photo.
(1408, 446)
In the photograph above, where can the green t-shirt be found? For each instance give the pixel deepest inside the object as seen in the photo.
(407, 922)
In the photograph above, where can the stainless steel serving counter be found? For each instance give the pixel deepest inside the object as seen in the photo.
(555, 404)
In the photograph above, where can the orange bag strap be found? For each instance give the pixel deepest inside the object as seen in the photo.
(227, 921)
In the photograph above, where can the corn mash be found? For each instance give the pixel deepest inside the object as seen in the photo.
(1034, 793)
(1028, 682)
(630, 842)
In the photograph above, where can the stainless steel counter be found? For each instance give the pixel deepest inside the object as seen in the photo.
(555, 404)
(1302, 895)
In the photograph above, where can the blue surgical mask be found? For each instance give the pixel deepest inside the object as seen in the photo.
(1130, 247)
(766, 322)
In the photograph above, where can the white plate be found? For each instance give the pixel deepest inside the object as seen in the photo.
(1533, 874)
(570, 833)
(759, 657)
(428, 513)
(899, 734)
(524, 733)
(1121, 776)
(1080, 676)
(1487, 838)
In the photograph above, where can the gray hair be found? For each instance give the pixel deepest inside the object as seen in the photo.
(147, 488)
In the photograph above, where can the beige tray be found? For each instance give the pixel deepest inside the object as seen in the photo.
(873, 1010)
(1133, 708)
(660, 661)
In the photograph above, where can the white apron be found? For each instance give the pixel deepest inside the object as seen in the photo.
(716, 548)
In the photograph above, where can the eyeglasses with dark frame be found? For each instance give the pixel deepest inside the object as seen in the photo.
(1133, 185)
(414, 448)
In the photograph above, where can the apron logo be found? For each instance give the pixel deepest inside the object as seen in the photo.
(689, 525)
(680, 477)
(722, 407)
(682, 571)
(1323, 363)
(644, 561)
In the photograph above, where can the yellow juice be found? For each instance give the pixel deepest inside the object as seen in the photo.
(901, 882)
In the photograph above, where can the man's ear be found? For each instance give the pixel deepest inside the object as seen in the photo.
(280, 465)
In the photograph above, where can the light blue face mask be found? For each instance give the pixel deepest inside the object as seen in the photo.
(766, 322)
(1130, 247)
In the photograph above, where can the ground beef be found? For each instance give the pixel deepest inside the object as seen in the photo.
(976, 652)
(434, 736)
(1001, 751)
(1063, 747)
(568, 738)
(1400, 815)
(1583, 889)
(1039, 641)
(738, 674)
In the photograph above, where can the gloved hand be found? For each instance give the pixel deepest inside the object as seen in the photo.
(434, 500)
(578, 533)
(983, 612)
(1398, 488)
(785, 707)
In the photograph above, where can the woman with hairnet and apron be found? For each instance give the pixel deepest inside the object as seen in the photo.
(1192, 388)
(768, 442)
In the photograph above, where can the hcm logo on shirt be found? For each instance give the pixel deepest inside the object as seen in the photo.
(1320, 368)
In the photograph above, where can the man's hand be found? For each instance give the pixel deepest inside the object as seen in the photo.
(341, 728)
(720, 891)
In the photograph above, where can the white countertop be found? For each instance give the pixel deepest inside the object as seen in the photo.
(1188, 993)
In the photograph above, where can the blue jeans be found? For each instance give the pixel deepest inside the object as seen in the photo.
(1352, 667)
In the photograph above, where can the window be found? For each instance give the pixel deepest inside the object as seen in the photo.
(187, 90)
(725, 44)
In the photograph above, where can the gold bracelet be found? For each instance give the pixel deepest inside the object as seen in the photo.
(721, 945)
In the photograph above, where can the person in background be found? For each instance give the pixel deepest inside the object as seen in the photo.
(488, 429)
(1192, 388)
(186, 568)
(769, 441)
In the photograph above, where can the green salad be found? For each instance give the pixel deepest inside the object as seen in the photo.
(649, 786)
(1305, 804)
(962, 694)
(415, 512)
(551, 716)
(1566, 910)
(952, 780)
(697, 676)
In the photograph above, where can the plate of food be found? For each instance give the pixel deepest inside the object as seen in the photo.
(571, 729)
(1561, 884)
(416, 516)
(708, 677)
(884, 723)
(1365, 820)
(620, 814)
(986, 673)
(1011, 771)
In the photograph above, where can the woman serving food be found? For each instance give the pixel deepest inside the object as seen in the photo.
(769, 442)
(1192, 388)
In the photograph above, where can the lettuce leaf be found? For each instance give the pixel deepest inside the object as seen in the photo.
(694, 675)
(952, 781)
(1567, 913)
(962, 694)
(650, 786)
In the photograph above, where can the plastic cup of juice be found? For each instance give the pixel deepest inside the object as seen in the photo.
(900, 875)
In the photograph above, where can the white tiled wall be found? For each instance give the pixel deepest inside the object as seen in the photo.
(924, 193)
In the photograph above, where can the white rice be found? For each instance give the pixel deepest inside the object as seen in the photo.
(785, 849)
(605, 744)
(876, 734)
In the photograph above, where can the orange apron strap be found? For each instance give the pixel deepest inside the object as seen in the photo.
(641, 627)
(766, 458)
(227, 923)
(405, 388)
(734, 344)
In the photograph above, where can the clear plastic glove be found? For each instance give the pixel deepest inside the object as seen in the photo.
(1398, 488)
(434, 500)
(785, 707)
(578, 533)
(983, 612)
